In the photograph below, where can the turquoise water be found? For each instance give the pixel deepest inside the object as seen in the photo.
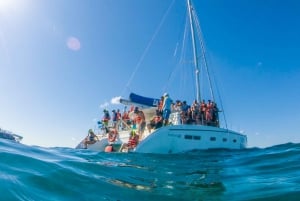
(36, 173)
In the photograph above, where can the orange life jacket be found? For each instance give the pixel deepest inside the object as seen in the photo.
(125, 116)
(138, 119)
(203, 107)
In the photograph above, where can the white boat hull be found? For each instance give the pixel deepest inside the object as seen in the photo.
(183, 138)
(177, 139)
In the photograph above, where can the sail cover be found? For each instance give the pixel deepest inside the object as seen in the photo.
(152, 102)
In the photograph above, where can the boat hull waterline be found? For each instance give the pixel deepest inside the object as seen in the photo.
(177, 139)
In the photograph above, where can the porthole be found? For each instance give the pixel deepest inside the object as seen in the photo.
(188, 137)
(197, 137)
(213, 138)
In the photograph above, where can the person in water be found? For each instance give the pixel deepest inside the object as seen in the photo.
(90, 139)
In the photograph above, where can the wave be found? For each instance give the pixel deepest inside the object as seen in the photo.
(38, 173)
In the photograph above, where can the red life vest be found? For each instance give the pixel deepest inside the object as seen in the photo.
(132, 142)
(138, 119)
(125, 116)
(203, 107)
(112, 135)
(108, 148)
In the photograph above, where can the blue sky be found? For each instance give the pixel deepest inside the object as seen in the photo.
(61, 61)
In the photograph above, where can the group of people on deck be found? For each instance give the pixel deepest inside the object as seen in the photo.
(133, 119)
(197, 113)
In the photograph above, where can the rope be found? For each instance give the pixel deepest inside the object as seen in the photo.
(147, 48)
(203, 52)
(206, 67)
(180, 58)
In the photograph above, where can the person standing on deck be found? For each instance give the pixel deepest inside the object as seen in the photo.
(140, 121)
(203, 111)
(185, 107)
(209, 113)
(156, 121)
(90, 139)
(166, 108)
(106, 118)
(125, 119)
(160, 105)
(114, 118)
(119, 115)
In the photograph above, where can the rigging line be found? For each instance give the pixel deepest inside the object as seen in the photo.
(200, 35)
(221, 101)
(147, 48)
(221, 104)
(181, 56)
(184, 39)
(185, 61)
(206, 66)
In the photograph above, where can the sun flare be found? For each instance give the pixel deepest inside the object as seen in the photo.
(7, 3)
(7, 6)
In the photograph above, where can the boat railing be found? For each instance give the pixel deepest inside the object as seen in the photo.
(122, 125)
(175, 118)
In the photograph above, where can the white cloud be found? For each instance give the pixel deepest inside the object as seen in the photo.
(115, 100)
(104, 105)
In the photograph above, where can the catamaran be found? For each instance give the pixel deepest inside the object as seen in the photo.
(177, 136)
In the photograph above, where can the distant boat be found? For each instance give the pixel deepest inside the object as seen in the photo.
(177, 137)
(8, 135)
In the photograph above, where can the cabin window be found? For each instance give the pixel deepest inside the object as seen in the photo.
(224, 139)
(188, 137)
(197, 137)
(234, 140)
(213, 138)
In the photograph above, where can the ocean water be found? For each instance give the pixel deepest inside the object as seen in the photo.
(37, 173)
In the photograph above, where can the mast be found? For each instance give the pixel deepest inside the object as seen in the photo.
(198, 95)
